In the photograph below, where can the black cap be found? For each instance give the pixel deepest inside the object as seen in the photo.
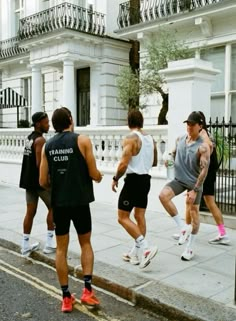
(37, 117)
(194, 118)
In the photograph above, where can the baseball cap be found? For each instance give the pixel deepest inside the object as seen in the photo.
(194, 118)
(37, 117)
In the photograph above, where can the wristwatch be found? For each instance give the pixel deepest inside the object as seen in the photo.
(115, 179)
(196, 189)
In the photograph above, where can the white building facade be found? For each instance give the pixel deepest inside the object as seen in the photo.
(208, 26)
(57, 53)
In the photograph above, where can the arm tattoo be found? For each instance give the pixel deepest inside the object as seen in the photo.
(204, 164)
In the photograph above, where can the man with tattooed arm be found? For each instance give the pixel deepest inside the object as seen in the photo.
(192, 157)
(138, 156)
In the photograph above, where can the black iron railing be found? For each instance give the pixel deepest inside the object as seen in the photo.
(149, 10)
(225, 138)
(10, 47)
(66, 16)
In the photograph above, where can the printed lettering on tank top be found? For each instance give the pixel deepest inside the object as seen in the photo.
(61, 155)
(28, 147)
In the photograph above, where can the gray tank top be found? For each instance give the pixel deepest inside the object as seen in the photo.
(187, 163)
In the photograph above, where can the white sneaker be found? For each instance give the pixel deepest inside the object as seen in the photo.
(184, 234)
(34, 247)
(133, 259)
(187, 255)
(176, 236)
(147, 256)
(49, 249)
(223, 240)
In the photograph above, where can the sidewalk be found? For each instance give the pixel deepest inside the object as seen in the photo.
(202, 289)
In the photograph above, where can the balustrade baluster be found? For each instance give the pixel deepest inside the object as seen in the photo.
(112, 152)
(105, 150)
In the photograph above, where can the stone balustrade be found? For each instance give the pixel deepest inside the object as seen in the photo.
(106, 141)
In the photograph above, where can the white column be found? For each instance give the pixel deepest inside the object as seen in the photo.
(228, 73)
(69, 87)
(36, 90)
(95, 91)
(189, 84)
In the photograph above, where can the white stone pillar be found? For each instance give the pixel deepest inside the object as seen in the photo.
(95, 91)
(189, 85)
(37, 104)
(69, 100)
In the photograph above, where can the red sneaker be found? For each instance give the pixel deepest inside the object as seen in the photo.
(67, 304)
(89, 298)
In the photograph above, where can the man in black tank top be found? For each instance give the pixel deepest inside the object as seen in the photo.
(192, 157)
(29, 180)
(68, 166)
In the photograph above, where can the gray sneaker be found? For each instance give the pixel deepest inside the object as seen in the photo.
(49, 249)
(223, 240)
(34, 247)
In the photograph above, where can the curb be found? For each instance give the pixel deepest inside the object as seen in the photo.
(148, 294)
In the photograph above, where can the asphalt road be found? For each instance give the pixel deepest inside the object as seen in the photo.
(29, 290)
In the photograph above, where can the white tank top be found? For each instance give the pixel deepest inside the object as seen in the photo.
(142, 162)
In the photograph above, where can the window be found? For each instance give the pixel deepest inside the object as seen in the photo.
(26, 93)
(233, 68)
(19, 11)
(217, 57)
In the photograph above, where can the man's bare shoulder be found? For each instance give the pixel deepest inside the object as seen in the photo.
(131, 139)
(84, 140)
(204, 148)
(39, 140)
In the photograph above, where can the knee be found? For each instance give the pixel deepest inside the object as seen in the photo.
(162, 197)
(120, 220)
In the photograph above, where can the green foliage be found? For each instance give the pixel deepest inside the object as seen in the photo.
(128, 87)
(160, 49)
(23, 123)
(222, 147)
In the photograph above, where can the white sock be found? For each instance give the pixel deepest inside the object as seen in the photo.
(178, 220)
(25, 241)
(191, 241)
(134, 250)
(50, 238)
(142, 242)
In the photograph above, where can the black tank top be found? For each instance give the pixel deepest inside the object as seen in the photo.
(29, 178)
(70, 181)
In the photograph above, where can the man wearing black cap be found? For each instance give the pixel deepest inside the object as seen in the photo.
(29, 180)
(192, 157)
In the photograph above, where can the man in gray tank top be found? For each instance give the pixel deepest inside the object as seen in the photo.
(192, 157)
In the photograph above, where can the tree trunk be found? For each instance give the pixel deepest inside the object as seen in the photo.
(134, 12)
(164, 109)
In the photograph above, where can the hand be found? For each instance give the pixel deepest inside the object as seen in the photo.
(100, 178)
(191, 196)
(114, 185)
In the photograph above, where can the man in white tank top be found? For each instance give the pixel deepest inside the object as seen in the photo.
(138, 157)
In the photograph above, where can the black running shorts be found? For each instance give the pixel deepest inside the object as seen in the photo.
(79, 215)
(134, 192)
(209, 183)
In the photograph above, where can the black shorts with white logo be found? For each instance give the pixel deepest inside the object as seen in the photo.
(134, 192)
